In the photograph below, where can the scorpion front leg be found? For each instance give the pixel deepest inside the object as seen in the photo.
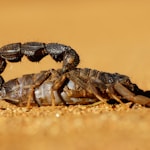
(125, 93)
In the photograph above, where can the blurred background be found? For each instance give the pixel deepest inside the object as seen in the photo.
(112, 36)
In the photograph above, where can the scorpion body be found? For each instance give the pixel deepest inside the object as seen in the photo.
(68, 85)
(35, 51)
(77, 86)
(37, 89)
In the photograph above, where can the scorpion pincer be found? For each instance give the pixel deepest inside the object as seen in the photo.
(77, 86)
(35, 51)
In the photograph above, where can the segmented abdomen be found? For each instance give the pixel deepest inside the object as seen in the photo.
(105, 77)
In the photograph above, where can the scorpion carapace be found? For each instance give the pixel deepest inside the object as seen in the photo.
(35, 51)
(78, 86)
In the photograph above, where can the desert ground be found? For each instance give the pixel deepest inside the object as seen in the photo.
(111, 36)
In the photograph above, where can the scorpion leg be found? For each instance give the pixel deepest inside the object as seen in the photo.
(109, 90)
(97, 88)
(74, 97)
(56, 86)
(77, 93)
(140, 99)
(58, 83)
(37, 82)
(111, 93)
(89, 85)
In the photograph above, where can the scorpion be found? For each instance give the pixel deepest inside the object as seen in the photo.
(77, 86)
(68, 85)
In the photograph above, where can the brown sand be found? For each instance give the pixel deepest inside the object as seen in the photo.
(111, 36)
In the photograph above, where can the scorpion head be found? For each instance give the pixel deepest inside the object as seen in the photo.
(125, 80)
(70, 60)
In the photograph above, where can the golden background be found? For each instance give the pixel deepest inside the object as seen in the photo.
(112, 36)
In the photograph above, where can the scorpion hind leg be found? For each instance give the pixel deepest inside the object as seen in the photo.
(140, 99)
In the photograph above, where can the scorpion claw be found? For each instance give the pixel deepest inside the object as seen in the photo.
(140, 99)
